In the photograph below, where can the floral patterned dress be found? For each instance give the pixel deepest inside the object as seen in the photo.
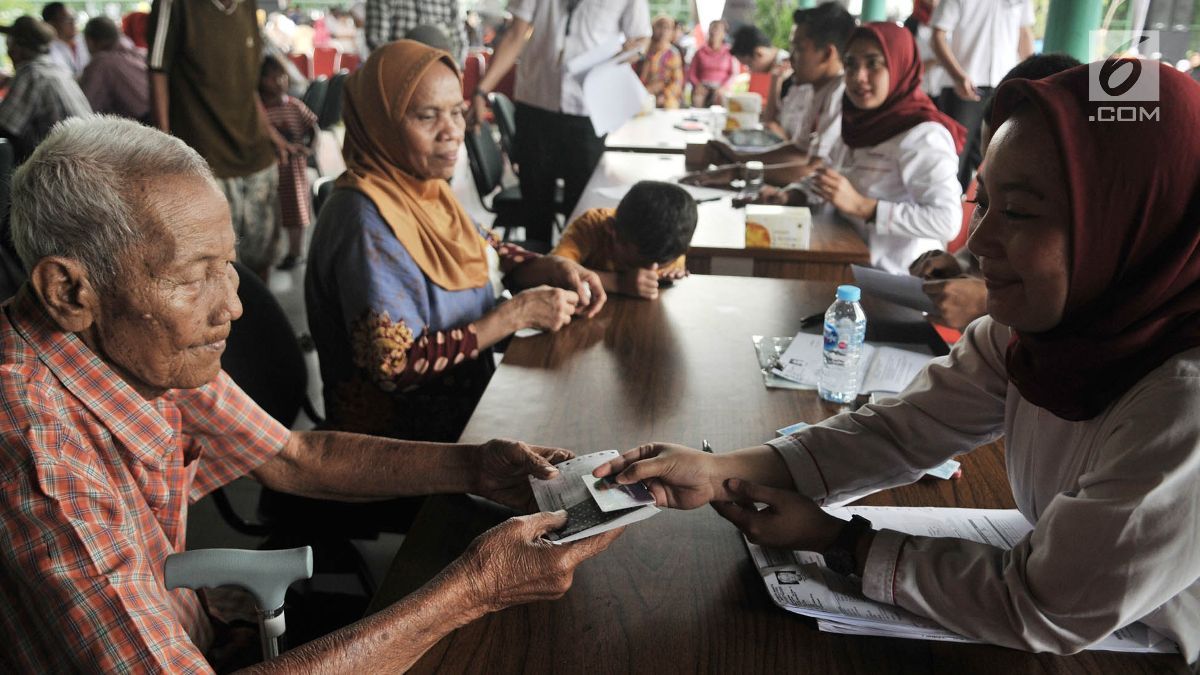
(399, 354)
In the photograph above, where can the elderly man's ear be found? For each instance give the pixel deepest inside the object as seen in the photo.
(63, 286)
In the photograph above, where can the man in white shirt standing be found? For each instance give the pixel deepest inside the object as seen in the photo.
(988, 38)
(555, 137)
(69, 49)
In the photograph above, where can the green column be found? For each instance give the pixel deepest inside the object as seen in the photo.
(1068, 27)
(874, 10)
(808, 4)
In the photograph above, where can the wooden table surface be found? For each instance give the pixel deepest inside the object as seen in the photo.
(656, 132)
(719, 244)
(678, 592)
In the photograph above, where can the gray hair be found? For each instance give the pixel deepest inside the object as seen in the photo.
(74, 196)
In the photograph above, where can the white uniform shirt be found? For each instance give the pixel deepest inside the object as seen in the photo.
(73, 60)
(822, 120)
(792, 108)
(1114, 501)
(935, 79)
(914, 175)
(542, 78)
(985, 34)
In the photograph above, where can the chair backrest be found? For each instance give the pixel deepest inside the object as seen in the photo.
(322, 188)
(303, 64)
(350, 61)
(968, 211)
(262, 354)
(473, 69)
(314, 97)
(483, 155)
(325, 61)
(505, 114)
(760, 83)
(331, 111)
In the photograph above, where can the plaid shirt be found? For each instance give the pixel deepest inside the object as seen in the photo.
(43, 93)
(95, 483)
(389, 20)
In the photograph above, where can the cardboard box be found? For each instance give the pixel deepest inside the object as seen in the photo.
(778, 226)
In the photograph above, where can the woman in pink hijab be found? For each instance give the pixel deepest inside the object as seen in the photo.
(1088, 235)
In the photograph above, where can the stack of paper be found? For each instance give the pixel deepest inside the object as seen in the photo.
(799, 581)
(885, 369)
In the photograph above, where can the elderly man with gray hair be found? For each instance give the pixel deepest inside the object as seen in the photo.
(117, 415)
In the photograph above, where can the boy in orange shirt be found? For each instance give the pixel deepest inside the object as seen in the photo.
(638, 245)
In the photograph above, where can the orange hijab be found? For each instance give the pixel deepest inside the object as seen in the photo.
(422, 212)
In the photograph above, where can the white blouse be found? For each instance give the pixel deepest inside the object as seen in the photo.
(1115, 501)
(914, 175)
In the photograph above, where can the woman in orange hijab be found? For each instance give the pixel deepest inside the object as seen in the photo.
(399, 287)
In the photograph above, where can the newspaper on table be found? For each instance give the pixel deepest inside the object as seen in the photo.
(799, 581)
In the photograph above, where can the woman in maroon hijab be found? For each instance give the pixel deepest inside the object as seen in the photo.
(895, 177)
(1088, 235)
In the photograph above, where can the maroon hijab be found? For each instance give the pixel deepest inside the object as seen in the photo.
(906, 105)
(1134, 198)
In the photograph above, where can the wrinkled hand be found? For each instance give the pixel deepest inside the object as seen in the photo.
(965, 88)
(790, 520)
(503, 469)
(935, 264)
(545, 307)
(639, 283)
(511, 564)
(571, 275)
(958, 301)
(678, 477)
(836, 189)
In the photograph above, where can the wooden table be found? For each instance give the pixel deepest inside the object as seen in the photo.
(678, 592)
(656, 132)
(719, 244)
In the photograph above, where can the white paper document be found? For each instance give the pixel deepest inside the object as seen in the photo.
(902, 289)
(568, 491)
(885, 369)
(611, 89)
(799, 581)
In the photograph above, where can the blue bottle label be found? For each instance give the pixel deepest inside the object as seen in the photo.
(831, 341)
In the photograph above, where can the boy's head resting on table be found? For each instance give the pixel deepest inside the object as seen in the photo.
(654, 224)
(639, 244)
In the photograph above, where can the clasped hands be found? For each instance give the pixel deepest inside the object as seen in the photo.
(683, 478)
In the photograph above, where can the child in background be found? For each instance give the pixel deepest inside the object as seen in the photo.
(638, 245)
(297, 124)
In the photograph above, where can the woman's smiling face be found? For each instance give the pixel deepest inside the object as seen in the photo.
(1021, 230)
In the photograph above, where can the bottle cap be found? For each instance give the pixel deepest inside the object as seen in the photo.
(848, 293)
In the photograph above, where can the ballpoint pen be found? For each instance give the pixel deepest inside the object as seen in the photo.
(811, 319)
(706, 447)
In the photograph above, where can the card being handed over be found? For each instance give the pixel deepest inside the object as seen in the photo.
(591, 508)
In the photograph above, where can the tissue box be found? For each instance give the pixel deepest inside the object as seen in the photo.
(770, 226)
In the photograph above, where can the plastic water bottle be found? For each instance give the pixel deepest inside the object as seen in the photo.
(845, 330)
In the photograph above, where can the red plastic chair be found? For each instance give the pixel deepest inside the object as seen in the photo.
(350, 61)
(473, 70)
(303, 64)
(508, 83)
(325, 61)
(968, 212)
(760, 83)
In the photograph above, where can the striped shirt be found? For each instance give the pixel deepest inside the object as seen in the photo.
(296, 123)
(95, 483)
